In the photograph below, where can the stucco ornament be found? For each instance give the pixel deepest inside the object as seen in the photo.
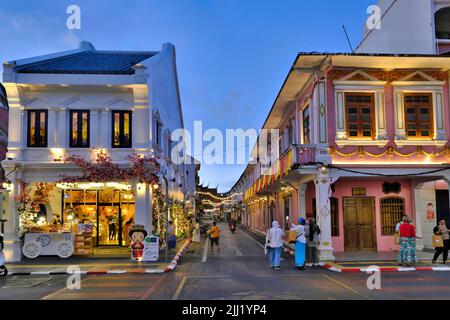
(325, 211)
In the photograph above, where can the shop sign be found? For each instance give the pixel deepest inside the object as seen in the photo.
(151, 248)
(358, 191)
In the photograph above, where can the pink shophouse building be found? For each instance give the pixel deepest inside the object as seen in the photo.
(361, 138)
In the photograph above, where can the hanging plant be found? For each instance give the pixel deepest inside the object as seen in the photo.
(28, 203)
(144, 170)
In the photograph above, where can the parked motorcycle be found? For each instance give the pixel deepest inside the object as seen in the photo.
(3, 269)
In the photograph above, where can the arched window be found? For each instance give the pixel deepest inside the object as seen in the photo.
(442, 23)
(392, 211)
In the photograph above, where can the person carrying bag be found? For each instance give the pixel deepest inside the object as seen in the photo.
(441, 241)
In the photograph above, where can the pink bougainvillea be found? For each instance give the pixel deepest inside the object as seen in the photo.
(145, 170)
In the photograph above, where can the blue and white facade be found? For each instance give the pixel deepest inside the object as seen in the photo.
(139, 88)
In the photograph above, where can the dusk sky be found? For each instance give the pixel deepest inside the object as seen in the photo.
(232, 55)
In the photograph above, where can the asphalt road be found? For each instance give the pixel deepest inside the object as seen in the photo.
(239, 272)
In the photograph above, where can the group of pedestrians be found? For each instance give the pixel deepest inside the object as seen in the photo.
(407, 241)
(306, 242)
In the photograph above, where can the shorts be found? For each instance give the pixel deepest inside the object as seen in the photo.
(214, 241)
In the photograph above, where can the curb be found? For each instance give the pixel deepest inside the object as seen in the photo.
(172, 265)
(381, 269)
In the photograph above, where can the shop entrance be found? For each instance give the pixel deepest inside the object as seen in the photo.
(110, 211)
(359, 224)
(109, 225)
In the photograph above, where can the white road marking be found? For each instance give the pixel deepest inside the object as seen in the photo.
(205, 251)
(180, 287)
(259, 244)
(239, 253)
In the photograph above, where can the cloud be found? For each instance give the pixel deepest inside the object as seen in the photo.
(70, 38)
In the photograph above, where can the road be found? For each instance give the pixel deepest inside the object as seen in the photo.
(239, 272)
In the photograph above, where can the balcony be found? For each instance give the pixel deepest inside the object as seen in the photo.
(293, 157)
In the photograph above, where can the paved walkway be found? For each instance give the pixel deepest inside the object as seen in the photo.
(364, 261)
(111, 263)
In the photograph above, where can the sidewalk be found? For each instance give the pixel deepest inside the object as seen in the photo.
(102, 264)
(366, 261)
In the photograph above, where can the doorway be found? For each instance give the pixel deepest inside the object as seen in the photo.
(359, 224)
(109, 225)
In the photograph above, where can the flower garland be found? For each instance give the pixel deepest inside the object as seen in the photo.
(144, 169)
(103, 169)
(29, 200)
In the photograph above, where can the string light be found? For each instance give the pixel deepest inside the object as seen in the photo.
(216, 197)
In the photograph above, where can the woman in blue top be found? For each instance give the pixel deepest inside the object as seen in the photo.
(300, 244)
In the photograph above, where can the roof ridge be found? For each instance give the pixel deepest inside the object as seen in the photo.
(32, 64)
(125, 52)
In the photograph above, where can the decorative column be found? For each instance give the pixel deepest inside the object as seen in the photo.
(95, 134)
(143, 208)
(418, 213)
(323, 185)
(62, 128)
(52, 140)
(13, 252)
(302, 200)
(438, 114)
(400, 128)
(380, 116)
(104, 127)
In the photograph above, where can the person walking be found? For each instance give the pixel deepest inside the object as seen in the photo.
(312, 232)
(274, 245)
(171, 236)
(214, 234)
(407, 254)
(196, 233)
(442, 230)
(300, 243)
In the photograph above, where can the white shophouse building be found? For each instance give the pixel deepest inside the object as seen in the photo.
(80, 102)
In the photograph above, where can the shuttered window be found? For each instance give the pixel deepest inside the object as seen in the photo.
(392, 211)
(360, 115)
(418, 113)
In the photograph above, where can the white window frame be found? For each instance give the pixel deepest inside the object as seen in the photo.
(436, 89)
(377, 88)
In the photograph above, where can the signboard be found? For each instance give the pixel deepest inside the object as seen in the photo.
(358, 191)
(151, 248)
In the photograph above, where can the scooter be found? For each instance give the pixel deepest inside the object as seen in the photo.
(3, 269)
(232, 228)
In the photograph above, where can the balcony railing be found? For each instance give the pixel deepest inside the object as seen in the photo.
(294, 156)
(305, 154)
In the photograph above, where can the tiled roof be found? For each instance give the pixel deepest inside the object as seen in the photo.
(89, 62)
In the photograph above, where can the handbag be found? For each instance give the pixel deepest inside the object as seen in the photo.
(397, 238)
(292, 236)
(438, 241)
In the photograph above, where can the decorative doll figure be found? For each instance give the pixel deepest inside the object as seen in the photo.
(137, 235)
(430, 212)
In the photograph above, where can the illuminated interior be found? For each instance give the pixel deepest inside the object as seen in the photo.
(111, 211)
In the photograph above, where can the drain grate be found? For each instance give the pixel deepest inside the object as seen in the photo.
(24, 282)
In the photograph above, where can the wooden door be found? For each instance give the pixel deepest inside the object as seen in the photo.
(359, 224)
